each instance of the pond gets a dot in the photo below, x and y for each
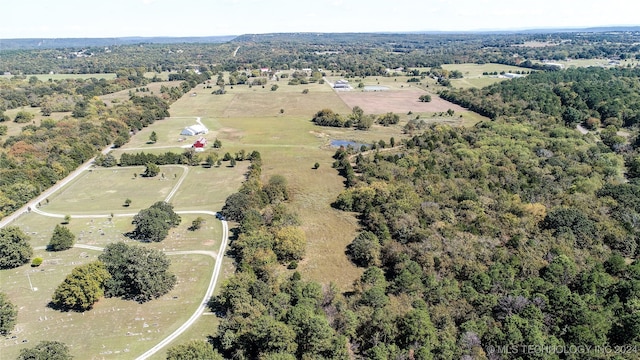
(346, 143)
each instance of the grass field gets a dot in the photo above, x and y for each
(15, 128)
(475, 70)
(244, 118)
(154, 89)
(124, 328)
(108, 188)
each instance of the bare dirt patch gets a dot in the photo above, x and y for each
(381, 102)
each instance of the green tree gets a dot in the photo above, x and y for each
(137, 273)
(15, 249)
(196, 223)
(425, 98)
(211, 159)
(153, 137)
(236, 206)
(82, 288)
(67, 219)
(46, 350)
(193, 350)
(327, 117)
(274, 87)
(217, 144)
(8, 315)
(290, 243)
(276, 189)
(127, 202)
(388, 119)
(151, 170)
(364, 250)
(23, 117)
(272, 336)
(153, 223)
(62, 239)
(417, 330)
(561, 271)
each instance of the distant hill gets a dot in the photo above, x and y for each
(43, 43)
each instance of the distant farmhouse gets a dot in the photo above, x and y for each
(341, 84)
(192, 130)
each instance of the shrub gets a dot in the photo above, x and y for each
(36, 262)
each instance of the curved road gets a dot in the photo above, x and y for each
(212, 283)
(31, 206)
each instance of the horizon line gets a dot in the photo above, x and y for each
(469, 31)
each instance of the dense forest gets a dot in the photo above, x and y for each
(517, 231)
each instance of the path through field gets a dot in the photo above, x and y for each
(218, 256)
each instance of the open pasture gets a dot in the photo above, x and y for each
(476, 70)
(14, 128)
(401, 102)
(114, 328)
(123, 95)
(477, 82)
(256, 101)
(208, 188)
(103, 190)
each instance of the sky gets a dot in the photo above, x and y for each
(178, 18)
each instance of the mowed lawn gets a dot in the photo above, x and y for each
(114, 328)
(104, 190)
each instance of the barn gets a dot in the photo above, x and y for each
(194, 130)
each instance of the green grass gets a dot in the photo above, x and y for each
(208, 188)
(123, 95)
(15, 128)
(118, 324)
(114, 328)
(104, 190)
(480, 82)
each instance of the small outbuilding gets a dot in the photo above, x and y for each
(200, 144)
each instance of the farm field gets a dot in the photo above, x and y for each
(123, 95)
(476, 70)
(246, 118)
(592, 62)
